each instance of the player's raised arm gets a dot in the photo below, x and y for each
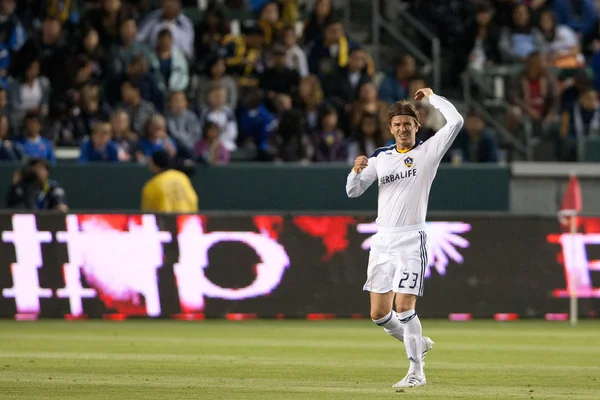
(363, 174)
(442, 140)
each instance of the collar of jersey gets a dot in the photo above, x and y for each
(406, 151)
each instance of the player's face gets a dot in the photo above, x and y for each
(404, 129)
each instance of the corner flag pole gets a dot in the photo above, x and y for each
(570, 207)
(573, 280)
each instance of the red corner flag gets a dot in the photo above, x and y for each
(571, 203)
(572, 198)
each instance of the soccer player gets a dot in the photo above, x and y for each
(399, 250)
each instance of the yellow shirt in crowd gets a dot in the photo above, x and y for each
(169, 191)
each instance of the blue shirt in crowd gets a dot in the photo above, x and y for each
(148, 148)
(36, 148)
(90, 154)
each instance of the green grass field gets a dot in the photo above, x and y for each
(293, 360)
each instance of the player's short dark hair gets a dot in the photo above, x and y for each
(403, 107)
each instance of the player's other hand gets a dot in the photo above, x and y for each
(425, 92)
(360, 163)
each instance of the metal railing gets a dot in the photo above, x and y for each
(490, 84)
(431, 64)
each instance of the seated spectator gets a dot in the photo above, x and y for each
(534, 93)
(243, 54)
(210, 32)
(580, 82)
(368, 103)
(560, 43)
(315, 25)
(99, 147)
(295, 58)
(578, 15)
(330, 145)
(81, 73)
(395, 85)
(170, 17)
(60, 124)
(156, 138)
(255, 123)
(368, 138)
(50, 48)
(182, 124)
(32, 12)
(334, 44)
(217, 77)
(107, 20)
(31, 144)
(123, 52)
(90, 47)
(520, 39)
(342, 84)
(577, 124)
(221, 115)
(173, 66)
(210, 148)
(32, 189)
(29, 91)
(480, 39)
(8, 151)
(138, 109)
(278, 79)
(476, 142)
(283, 103)
(12, 37)
(310, 97)
(292, 142)
(137, 73)
(90, 112)
(269, 22)
(127, 141)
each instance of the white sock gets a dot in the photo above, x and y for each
(412, 339)
(391, 325)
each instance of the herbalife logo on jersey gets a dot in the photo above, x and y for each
(397, 176)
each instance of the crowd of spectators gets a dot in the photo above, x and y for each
(557, 44)
(120, 79)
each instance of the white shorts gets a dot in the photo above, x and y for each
(398, 260)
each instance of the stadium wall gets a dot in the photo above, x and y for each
(261, 187)
(281, 265)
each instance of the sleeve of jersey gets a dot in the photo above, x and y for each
(442, 140)
(357, 184)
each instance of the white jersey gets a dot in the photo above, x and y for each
(405, 179)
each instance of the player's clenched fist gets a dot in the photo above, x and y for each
(360, 163)
(425, 92)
